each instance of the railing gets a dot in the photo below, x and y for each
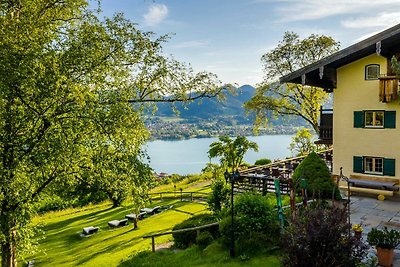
(197, 229)
(178, 194)
(388, 87)
(326, 126)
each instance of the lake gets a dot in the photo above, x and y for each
(190, 156)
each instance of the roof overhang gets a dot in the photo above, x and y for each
(323, 72)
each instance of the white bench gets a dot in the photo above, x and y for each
(133, 216)
(118, 223)
(90, 230)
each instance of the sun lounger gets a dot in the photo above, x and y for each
(151, 210)
(133, 216)
(90, 230)
(118, 223)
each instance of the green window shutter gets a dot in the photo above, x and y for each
(358, 164)
(390, 119)
(358, 119)
(389, 167)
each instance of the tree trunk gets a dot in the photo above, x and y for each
(9, 251)
(135, 221)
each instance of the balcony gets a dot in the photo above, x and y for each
(325, 127)
(388, 88)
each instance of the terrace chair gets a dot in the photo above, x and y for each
(118, 223)
(90, 230)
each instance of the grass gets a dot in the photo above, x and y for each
(213, 255)
(63, 245)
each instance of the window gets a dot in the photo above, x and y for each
(374, 118)
(372, 72)
(373, 165)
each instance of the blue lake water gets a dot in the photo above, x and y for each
(190, 156)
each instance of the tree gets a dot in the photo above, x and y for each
(302, 143)
(272, 98)
(72, 88)
(231, 152)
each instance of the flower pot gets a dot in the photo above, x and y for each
(385, 256)
(357, 234)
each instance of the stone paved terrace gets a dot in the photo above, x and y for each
(371, 212)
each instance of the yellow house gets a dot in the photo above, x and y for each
(365, 129)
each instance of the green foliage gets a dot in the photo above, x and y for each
(320, 237)
(204, 239)
(72, 91)
(255, 217)
(384, 238)
(231, 152)
(185, 239)
(302, 143)
(213, 255)
(219, 196)
(262, 161)
(319, 181)
(290, 55)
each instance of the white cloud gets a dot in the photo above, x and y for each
(155, 14)
(381, 20)
(301, 10)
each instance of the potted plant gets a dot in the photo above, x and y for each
(385, 241)
(357, 228)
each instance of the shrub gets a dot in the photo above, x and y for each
(185, 239)
(219, 196)
(255, 217)
(263, 161)
(320, 237)
(316, 173)
(204, 239)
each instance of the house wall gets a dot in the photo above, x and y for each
(354, 93)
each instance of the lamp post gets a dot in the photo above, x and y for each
(231, 178)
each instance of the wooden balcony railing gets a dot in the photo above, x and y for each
(326, 127)
(388, 88)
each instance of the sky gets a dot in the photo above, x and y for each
(228, 37)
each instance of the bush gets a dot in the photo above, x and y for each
(185, 239)
(316, 173)
(219, 196)
(320, 237)
(263, 161)
(204, 239)
(254, 217)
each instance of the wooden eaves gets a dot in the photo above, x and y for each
(385, 43)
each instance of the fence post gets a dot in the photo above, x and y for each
(153, 246)
(161, 196)
(181, 195)
(191, 196)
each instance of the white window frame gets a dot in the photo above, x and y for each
(375, 165)
(374, 113)
(367, 77)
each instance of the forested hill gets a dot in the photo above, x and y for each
(210, 107)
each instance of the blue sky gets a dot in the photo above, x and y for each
(228, 37)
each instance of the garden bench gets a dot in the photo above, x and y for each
(366, 184)
(90, 230)
(133, 216)
(118, 223)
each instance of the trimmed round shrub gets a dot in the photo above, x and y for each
(185, 239)
(204, 239)
(263, 161)
(319, 181)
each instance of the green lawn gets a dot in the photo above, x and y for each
(213, 255)
(63, 245)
